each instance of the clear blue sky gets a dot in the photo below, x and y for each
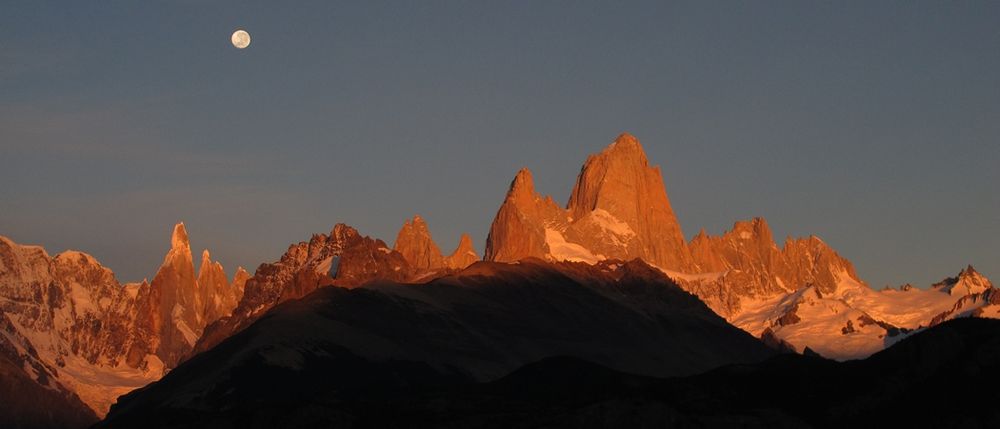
(875, 125)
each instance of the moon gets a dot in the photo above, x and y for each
(241, 39)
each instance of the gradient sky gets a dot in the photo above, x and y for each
(875, 125)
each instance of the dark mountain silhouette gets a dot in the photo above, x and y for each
(942, 377)
(475, 326)
(28, 404)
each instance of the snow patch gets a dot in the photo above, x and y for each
(821, 325)
(324, 266)
(100, 386)
(328, 266)
(910, 309)
(610, 223)
(562, 250)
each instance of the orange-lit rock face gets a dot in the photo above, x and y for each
(463, 256)
(341, 258)
(618, 210)
(217, 296)
(103, 338)
(174, 291)
(745, 263)
(518, 231)
(414, 242)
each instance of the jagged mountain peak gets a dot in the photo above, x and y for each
(522, 188)
(618, 209)
(969, 271)
(415, 243)
(465, 241)
(625, 140)
(755, 228)
(464, 255)
(175, 297)
(618, 191)
(416, 223)
(967, 282)
(342, 232)
(616, 175)
(77, 256)
(179, 238)
(625, 147)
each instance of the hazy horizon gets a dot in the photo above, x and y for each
(872, 126)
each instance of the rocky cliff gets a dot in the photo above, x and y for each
(618, 209)
(342, 258)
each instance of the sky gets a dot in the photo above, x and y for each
(874, 125)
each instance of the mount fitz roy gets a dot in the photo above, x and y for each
(801, 295)
(77, 336)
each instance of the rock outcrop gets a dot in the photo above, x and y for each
(746, 264)
(174, 290)
(414, 242)
(342, 258)
(519, 228)
(618, 209)
(463, 256)
(217, 297)
(967, 282)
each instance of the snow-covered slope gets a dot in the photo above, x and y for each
(855, 321)
(73, 327)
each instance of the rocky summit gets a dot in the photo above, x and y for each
(618, 210)
(415, 243)
(463, 256)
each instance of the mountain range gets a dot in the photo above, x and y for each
(608, 279)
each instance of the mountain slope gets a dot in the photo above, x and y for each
(476, 325)
(28, 404)
(853, 321)
(912, 384)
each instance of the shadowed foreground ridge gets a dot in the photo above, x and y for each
(308, 361)
(917, 383)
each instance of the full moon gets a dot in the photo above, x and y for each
(241, 39)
